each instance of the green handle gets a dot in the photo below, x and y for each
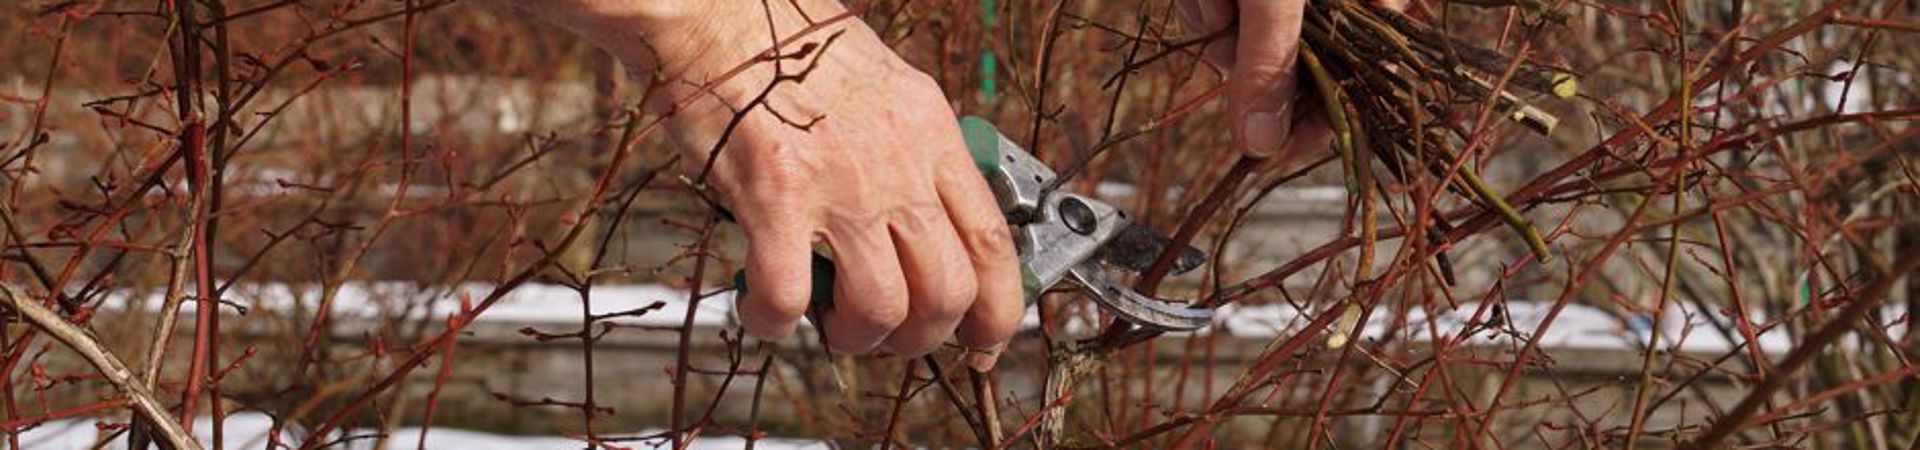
(824, 273)
(983, 143)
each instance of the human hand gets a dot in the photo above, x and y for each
(1262, 83)
(882, 177)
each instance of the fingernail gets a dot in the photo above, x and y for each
(982, 360)
(1265, 132)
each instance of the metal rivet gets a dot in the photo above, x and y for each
(1077, 215)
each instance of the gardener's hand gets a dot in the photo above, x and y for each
(1261, 78)
(864, 155)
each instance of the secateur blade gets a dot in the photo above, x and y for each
(1064, 235)
(1136, 308)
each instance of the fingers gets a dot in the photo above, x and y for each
(1204, 17)
(940, 281)
(779, 271)
(870, 293)
(999, 300)
(1260, 89)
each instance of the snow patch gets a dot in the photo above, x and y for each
(534, 303)
(249, 431)
(1577, 326)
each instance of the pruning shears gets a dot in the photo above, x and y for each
(1060, 236)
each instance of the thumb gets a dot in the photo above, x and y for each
(1261, 87)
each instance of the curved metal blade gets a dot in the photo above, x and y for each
(1141, 310)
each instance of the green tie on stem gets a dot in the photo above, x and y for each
(989, 63)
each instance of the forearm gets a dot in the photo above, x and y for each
(686, 40)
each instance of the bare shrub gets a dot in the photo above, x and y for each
(1552, 224)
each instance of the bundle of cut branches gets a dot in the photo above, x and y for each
(1394, 89)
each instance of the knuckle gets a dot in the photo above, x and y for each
(853, 212)
(917, 213)
(856, 210)
(983, 330)
(886, 310)
(950, 299)
(763, 326)
(782, 303)
(988, 241)
(1001, 324)
(1007, 317)
(777, 171)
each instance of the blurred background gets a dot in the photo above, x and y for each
(437, 224)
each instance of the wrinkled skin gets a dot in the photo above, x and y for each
(882, 178)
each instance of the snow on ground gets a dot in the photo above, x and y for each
(528, 303)
(1118, 193)
(1578, 326)
(249, 431)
